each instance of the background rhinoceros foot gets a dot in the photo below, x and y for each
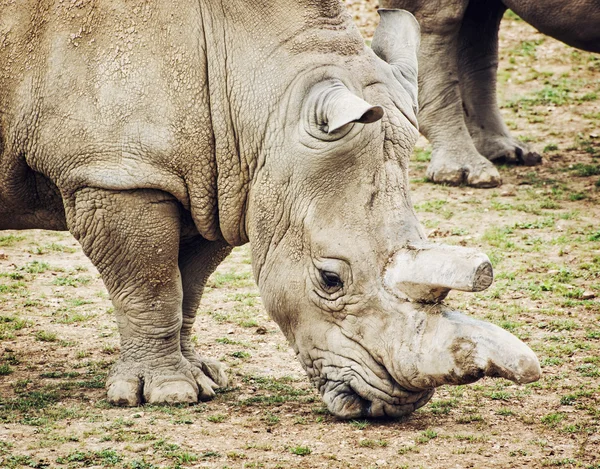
(463, 169)
(131, 384)
(506, 149)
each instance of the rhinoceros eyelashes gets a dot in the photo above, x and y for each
(331, 107)
(331, 281)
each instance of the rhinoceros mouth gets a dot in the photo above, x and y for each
(346, 402)
(351, 389)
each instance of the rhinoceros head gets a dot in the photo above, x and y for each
(343, 264)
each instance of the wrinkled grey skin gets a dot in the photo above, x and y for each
(162, 134)
(457, 78)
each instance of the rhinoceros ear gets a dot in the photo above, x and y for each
(396, 40)
(332, 106)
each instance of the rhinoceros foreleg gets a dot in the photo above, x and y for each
(454, 159)
(477, 67)
(132, 237)
(198, 258)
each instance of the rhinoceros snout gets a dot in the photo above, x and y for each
(426, 272)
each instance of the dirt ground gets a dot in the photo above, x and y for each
(541, 229)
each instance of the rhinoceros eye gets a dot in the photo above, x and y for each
(331, 281)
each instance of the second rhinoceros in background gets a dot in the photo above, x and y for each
(457, 78)
(163, 134)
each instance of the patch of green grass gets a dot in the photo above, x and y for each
(572, 428)
(274, 391)
(13, 287)
(499, 395)
(210, 454)
(372, 443)
(586, 170)
(442, 406)
(422, 155)
(568, 399)
(499, 237)
(228, 341)
(60, 374)
(594, 236)
(538, 224)
(551, 361)
(35, 267)
(360, 424)
(230, 279)
(471, 438)
(527, 48)
(9, 324)
(56, 247)
(46, 336)
(588, 97)
(216, 418)
(589, 370)
(300, 450)
(270, 419)
(552, 419)
(435, 206)
(408, 449)
(71, 281)
(577, 196)
(426, 436)
(235, 455)
(16, 461)
(558, 325)
(469, 418)
(10, 240)
(558, 462)
(106, 457)
(139, 464)
(27, 401)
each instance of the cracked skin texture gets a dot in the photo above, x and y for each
(162, 134)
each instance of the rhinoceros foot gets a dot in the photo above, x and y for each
(463, 169)
(131, 384)
(214, 369)
(508, 150)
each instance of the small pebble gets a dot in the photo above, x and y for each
(588, 295)
(508, 190)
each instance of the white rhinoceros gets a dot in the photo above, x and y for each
(161, 134)
(458, 62)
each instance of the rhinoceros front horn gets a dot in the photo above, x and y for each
(331, 106)
(396, 40)
(426, 272)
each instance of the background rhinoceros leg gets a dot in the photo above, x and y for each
(198, 258)
(132, 237)
(454, 159)
(477, 68)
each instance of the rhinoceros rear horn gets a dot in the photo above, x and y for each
(396, 40)
(331, 106)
